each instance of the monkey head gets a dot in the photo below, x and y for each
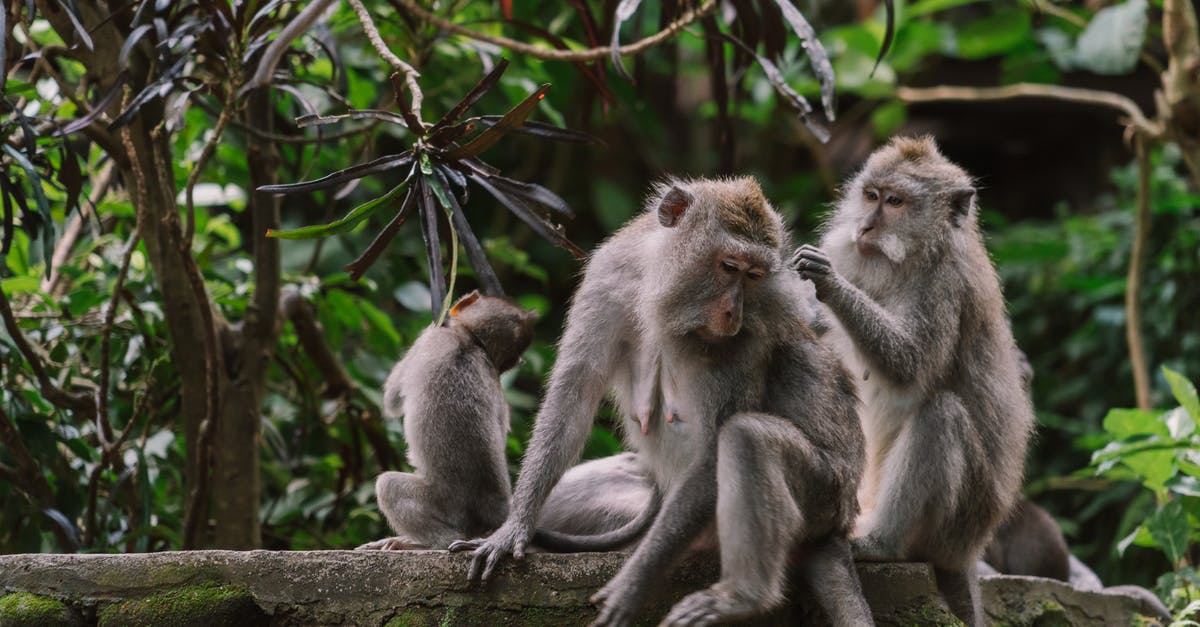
(500, 326)
(718, 244)
(907, 200)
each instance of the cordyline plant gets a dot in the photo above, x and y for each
(438, 166)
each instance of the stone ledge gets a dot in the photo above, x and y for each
(429, 588)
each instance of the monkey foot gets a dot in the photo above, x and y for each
(707, 607)
(395, 543)
(616, 608)
(465, 545)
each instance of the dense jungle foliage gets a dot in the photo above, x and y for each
(174, 378)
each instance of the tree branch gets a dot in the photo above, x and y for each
(81, 402)
(410, 74)
(103, 427)
(100, 184)
(1111, 100)
(300, 312)
(1133, 284)
(274, 52)
(591, 54)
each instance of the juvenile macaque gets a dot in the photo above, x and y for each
(919, 319)
(736, 411)
(447, 388)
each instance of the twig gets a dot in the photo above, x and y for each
(410, 74)
(103, 427)
(1133, 284)
(1030, 90)
(589, 54)
(80, 402)
(210, 147)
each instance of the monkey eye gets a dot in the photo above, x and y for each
(730, 267)
(871, 195)
(755, 275)
(895, 201)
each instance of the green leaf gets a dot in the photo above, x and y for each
(356, 215)
(924, 7)
(1170, 530)
(1126, 423)
(43, 205)
(1155, 466)
(1184, 392)
(995, 34)
(1113, 39)
(1140, 536)
(888, 118)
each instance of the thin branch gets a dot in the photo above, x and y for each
(590, 54)
(1094, 97)
(1133, 284)
(103, 427)
(210, 147)
(410, 74)
(300, 312)
(51, 392)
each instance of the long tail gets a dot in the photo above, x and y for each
(607, 541)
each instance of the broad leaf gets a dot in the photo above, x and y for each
(1170, 530)
(1125, 423)
(1184, 392)
(1113, 39)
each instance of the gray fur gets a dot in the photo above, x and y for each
(752, 421)
(920, 320)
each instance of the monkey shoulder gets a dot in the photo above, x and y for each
(445, 364)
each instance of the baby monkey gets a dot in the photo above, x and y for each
(447, 388)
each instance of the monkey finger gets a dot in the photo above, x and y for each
(465, 545)
(493, 559)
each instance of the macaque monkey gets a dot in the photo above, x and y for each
(736, 411)
(447, 388)
(919, 319)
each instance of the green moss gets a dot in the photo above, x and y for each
(207, 605)
(30, 610)
(1052, 614)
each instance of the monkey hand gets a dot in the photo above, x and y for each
(510, 539)
(812, 263)
(618, 602)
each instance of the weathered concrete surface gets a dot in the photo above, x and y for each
(429, 588)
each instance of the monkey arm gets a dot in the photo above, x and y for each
(597, 327)
(895, 343)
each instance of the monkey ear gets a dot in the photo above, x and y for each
(672, 206)
(960, 204)
(464, 302)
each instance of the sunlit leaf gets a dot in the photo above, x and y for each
(625, 10)
(817, 58)
(1125, 423)
(1184, 392)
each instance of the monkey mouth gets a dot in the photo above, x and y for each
(709, 336)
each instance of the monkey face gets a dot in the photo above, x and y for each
(885, 209)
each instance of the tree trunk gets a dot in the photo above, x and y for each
(236, 483)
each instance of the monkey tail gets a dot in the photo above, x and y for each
(607, 541)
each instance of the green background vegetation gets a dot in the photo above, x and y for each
(1058, 192)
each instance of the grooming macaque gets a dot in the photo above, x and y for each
(447, 388)
(736, 411)
(918, 317)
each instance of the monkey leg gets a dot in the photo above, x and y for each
(409, 504)
(762, 464)
(960, 588)
(829, 574)
(920, 483)
(598, 496)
